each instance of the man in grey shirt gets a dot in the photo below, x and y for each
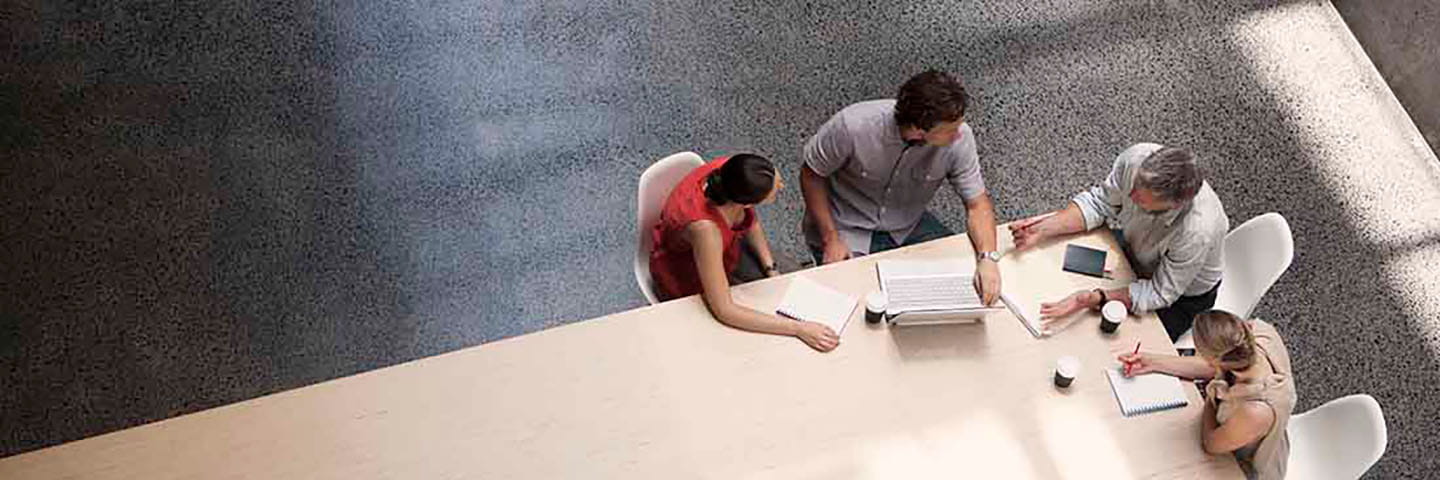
(873, 168)
(1170, 224)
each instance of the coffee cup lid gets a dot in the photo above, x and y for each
(876, 300)
(1114, 311)
(1068, 366)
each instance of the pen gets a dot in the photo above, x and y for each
(1127, 364)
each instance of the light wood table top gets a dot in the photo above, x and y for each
(666, 391)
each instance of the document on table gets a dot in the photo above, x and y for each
(1147, 393)
(1020, 296)
(1033, 277)
(1027, 310)
(812, 302)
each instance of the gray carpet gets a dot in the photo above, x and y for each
(205, 204)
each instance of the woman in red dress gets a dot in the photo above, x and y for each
(698, 244)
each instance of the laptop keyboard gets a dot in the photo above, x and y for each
(922, 292)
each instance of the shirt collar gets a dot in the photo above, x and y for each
(891, 129)
(1175, 214)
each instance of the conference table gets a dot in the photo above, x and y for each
(666, 391)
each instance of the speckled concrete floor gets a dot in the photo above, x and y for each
(204, 204)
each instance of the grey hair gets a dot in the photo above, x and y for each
(1171, 173)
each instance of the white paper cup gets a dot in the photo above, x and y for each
(1066, 369)
(1111, 315)
(875, 304)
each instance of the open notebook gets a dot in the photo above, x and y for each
(1147, 393)
(812, 302)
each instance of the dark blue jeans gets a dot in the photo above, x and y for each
(928, 229)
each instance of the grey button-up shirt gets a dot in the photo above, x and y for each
(876, 182)
(1180, 252)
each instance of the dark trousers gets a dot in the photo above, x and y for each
(748, 269)
(1179, 316)
(928, 229)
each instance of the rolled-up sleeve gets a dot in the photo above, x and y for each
(964, 175)
(1179, 266)
(1103, 201)
(829, 148)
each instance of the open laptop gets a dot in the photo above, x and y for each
(931, 291)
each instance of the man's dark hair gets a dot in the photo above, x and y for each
(745, 179)
(929, 98)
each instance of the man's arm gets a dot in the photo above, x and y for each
(1102, 202)
(1181, 263)
(980, 226)
(1033, 230)
(823, 155)
(817, 204)
(980, 222)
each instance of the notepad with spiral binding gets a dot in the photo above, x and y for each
(1147, 393)
(812, 302)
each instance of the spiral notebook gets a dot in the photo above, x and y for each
(1142, 394)
(812, 302)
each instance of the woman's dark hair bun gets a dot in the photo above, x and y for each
(713, 191)
(744, 178)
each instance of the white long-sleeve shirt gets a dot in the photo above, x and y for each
(1176, 253)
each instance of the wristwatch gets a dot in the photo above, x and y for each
(991, 256)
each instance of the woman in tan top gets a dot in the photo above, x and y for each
(1251, 391)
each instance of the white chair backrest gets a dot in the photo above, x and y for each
(655, 185)
(1338, 440)
(1256, 254)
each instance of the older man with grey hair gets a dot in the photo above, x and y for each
(1170, 224)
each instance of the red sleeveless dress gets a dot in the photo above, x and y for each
(672, 264)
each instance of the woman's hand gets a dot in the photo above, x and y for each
(1140, 363)
(817, 336)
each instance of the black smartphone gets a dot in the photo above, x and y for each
(1084, 261)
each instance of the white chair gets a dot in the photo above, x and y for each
(655, 185)
(1338, 440)
(1256, 254)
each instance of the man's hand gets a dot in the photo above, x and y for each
(1030, 231)
(836, 251)
(987, 280)
(817, 336)
(1049, 312)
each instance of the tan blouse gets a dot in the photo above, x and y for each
(1264, 460)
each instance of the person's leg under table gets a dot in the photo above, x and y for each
(1179, 316)
(749, 269)
(881, 241)
(929, 228)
